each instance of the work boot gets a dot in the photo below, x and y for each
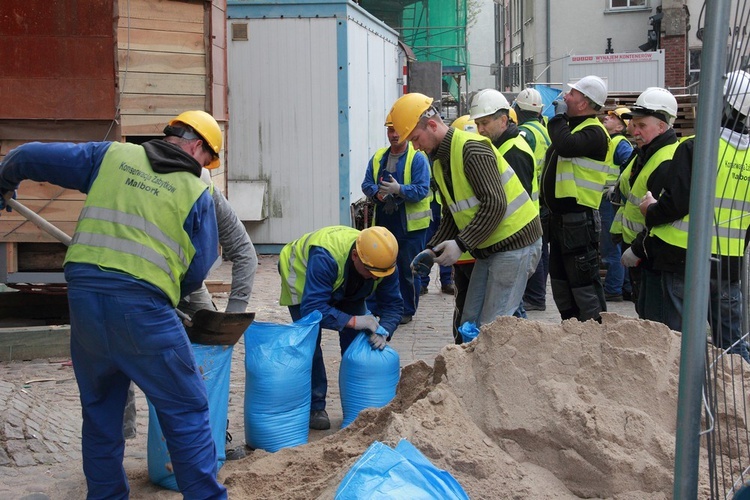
(319, 420)
(448, 288)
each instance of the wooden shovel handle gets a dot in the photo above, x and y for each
(39, 221)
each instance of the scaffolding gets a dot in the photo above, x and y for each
(435, 30)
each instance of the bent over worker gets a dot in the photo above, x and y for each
(486, 210)
(146, 237)
(334, 270)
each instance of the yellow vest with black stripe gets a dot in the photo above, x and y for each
(337, 240)
(731, 207)
(418, 215)
(581, 177)
(464, 205)
(624, 186)
(141, 232)
(633, 222)
(519, 142)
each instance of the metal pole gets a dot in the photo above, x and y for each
(697, 271)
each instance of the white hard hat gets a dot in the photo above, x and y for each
(487, 102)
(530, 100)
(737, 91)
(592, 87)
(654, 101)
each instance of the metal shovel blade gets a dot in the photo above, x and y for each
(218, 328)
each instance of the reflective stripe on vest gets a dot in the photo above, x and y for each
(633, 221)
(731, 207)
(418, 215)
(614, 170)
(520, 209)
(141, 233)
(583, 178)
(522, 145)
(337, 240)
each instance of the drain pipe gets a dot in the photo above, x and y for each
(549, 45)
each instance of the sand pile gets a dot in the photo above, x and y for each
(528, 410)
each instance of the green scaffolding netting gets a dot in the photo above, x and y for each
(434, 29)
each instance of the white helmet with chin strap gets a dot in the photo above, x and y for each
(655, 101)
(487, 102)
(737, 91)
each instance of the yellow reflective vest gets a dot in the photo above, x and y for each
(464, 204)
(633, 222)
(519, 142)
(541, 144)
(418, 215)
(142, 233)
(583, 178)
(337, 240)
(731, 207)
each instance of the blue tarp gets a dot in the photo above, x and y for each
(549, 94)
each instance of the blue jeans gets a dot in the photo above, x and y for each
(497, 283)
(610, 252)
(725, 311)
(115, 339)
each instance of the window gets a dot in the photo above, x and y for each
(627, 4)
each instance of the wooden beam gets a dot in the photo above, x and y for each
(34, 342)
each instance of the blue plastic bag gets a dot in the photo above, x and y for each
(385, 473)
(367, 378)
(278, 368)
(215, 363)
(468, 331)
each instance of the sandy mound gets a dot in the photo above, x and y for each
(528, 410)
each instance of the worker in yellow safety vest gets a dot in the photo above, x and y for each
(668, 220)
(334, 270)
(486, 210)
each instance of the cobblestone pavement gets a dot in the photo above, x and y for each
(40, 414)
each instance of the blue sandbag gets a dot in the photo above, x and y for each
(215, 363)
(278, 370)
(367, 378)
(385, 473)
(468, 331)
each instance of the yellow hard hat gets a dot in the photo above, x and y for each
(388, 121)
(406, 112)
(513, 115)
(377, 249)
(618, 112)
(206, 126)
(464, 122)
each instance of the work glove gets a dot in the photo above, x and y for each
(560, 107)
(6, 195)
(365, 322)
(376, 341)
(390, 186)
(236, 306)
(448, 252)
(646, 202)
(422, 263)
(630, 259)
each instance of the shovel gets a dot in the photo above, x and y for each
(208, 327)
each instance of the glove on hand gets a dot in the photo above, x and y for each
(448, 252)
(560, 107)
(376, 341)
(630, 259)
(422, 263)
(6, 195)
(365, 322)
(389, 186)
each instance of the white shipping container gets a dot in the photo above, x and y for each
(627, 72)
(310, 84)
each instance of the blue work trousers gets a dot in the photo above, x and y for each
(116, 339)
(318, 377)
(610, 251)
(724, 313)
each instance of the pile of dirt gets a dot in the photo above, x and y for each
(528, 410)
